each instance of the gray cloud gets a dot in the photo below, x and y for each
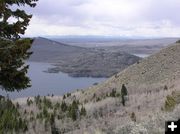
(164, 10)
(119, 17)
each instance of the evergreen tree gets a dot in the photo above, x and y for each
(113, 93)
(13, 49)
(64, 97)
(124, 90)
(64, 106)
(123, 94)
(10, 119)
(73, 110)
(83, 111)
(123, 100)
(54, 130)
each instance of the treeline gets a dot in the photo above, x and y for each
(73, 110)
(10, 118)
(48, 112)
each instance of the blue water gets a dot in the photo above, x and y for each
(51, 83)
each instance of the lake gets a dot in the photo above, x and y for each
(142, 55)
(51, 83)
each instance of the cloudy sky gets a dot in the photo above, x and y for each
(149, 18)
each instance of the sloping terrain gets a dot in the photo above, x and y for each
(79, 61)
(45, 50)
(159, 69)
(153, 86)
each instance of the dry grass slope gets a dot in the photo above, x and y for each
(153, 85)
(151, 73)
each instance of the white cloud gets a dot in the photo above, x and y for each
(106, 17)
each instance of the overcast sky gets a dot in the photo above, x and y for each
(149, 18)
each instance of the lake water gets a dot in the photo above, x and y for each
(142, 55)
(51, 83)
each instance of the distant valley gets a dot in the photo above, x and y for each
(130, 45)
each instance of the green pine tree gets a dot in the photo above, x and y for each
(73, 109)
(64, 106)
(83, 111)
(124, 93)
(13, 49)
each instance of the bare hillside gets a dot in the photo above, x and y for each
(45, 50)
(153, 87)
(79, 61)
(159, 69)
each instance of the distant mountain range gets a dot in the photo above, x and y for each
(79, 61)
(131, 45)
(96, 38)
